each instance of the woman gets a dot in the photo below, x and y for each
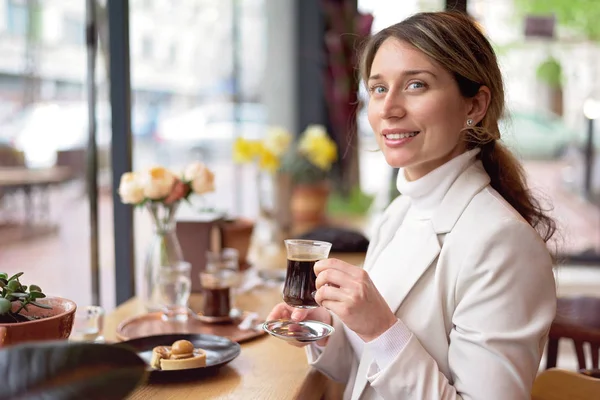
(457, 293)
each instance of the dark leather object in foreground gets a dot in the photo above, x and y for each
(342, 240)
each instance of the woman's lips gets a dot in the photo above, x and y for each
(398, 139)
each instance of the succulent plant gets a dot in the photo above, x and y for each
(11, 290)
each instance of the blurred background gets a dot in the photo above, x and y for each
(190, 76)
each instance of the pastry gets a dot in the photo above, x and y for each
(159, 353)
(181, 355)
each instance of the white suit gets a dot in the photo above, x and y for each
(477, 292)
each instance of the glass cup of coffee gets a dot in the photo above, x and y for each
(299, 291)
(220, 276)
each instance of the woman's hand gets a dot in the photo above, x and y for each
(284, 311)
(348, 291)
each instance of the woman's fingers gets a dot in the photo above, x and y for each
(333, 306)
(299, 314)
(328, 263)
(332, 277)
(330, 293)
(342, 266)
(280, 311)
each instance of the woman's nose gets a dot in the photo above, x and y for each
(393, 107)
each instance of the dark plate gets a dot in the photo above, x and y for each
(219, 351)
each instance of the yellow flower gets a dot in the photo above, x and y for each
(325, 156)
(245, 150)
(268, 161)
(277, 141)
(310, 137)
(318, 147)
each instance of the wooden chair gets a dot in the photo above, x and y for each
(577, 319)
(557, 384)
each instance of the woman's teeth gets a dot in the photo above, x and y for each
(397, 136)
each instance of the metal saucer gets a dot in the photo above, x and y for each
(304, 331)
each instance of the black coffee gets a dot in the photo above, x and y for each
(300, 282)
(216, 302)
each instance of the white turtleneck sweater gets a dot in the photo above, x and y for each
(425, 195)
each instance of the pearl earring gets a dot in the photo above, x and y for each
(469, 122)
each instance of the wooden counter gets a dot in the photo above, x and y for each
(267, 368)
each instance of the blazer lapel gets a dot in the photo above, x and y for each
(385, 233)
(412, 258)
(418, 253)
(361, 375)
(467, 185)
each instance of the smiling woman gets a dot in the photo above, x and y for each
(416, 109)
(457, 294)
(452, 90)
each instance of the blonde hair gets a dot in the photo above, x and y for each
(456, 42)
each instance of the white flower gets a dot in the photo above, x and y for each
(277, 141)
(130, 189)
(158, 183)
(201, 179)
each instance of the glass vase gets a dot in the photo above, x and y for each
(268, 228)
(164, 252)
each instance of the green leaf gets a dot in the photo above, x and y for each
(37, 295)
(301, 170)
(34, 288)
(69, 371)
(14, 285)
(5, 305)
(21, 295)
(15, 276)
(356, 203)
(40, 305)
(3, 275)
(550, 72)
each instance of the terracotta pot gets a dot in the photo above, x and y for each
(237, 234)
(56, 323)
(309, 203)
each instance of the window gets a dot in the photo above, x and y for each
(73, 31)
(147, 48)
(17, 17)
(172, 55)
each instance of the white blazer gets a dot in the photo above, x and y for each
(479, 298)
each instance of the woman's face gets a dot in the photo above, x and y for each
(415, 109)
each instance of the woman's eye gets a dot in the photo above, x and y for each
(416, 85)
(377, 89)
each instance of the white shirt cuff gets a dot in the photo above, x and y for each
(317, 348)
(388, 345)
